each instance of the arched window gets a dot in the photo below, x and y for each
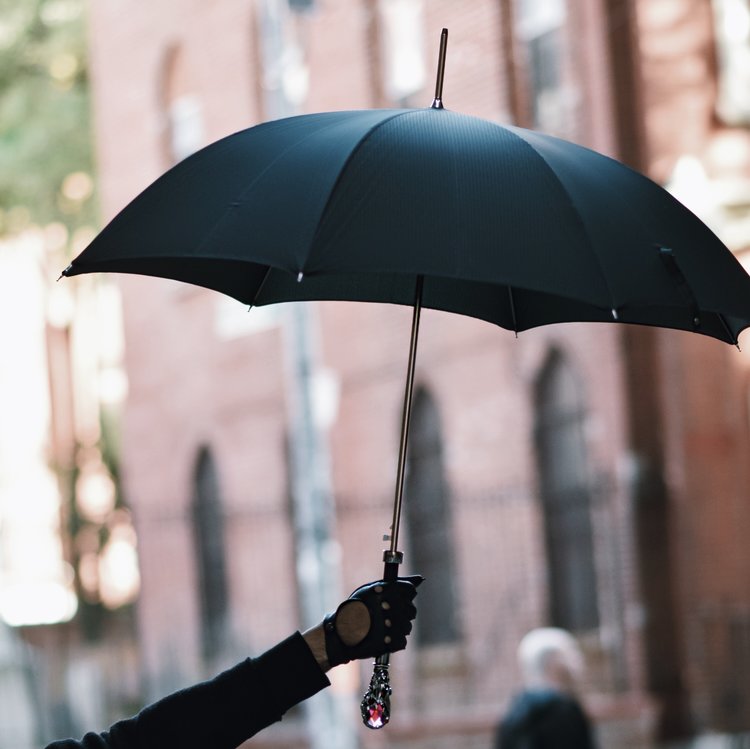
(427, 507)
(566, 496)
(183, 115)
(208, 527)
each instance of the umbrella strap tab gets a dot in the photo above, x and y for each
(674, 270)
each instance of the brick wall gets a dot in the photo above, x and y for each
(190, 387)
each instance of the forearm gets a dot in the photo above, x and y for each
(223, 712)
(316, 641)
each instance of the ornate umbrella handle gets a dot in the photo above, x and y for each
(376, 702)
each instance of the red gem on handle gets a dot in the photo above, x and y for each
(377, 717)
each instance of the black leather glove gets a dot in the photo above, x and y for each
(391, 611)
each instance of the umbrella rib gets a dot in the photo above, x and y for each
(260, 286)
(675, 272)
(513, 309)
(732, 336)
(575, 211)
(227, 211)
(247, 187)
(366, 136)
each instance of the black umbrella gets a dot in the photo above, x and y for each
(428, 207)
(504, 224)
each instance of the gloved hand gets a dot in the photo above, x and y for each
(375, 619)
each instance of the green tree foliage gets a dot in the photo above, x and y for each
(45, 138)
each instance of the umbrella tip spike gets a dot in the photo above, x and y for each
(437, 102)
(300, 276)
(615, 316)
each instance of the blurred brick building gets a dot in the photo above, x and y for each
(592, 477)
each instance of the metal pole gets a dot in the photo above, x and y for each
(330, 714)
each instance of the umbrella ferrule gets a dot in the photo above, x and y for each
(437, 102)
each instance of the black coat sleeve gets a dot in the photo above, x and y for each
(220, 713)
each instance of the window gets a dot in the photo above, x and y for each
(208, 526)
(732, 23)
(302, 6)
(546, 64)
(429, 522)
(566, 496)
(182, 109)
(402, 53)
(185, 127)
(285, 80)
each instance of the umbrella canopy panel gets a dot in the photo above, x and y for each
(504, 224)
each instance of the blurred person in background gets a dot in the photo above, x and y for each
(229, 709)
(547, 713)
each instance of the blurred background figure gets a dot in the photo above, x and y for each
(547, 714)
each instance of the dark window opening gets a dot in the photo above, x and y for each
(427, 506)
(566, 496)
(208, 526)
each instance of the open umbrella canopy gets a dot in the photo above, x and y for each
(501, 223)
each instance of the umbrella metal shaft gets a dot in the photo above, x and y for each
(393, 555)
